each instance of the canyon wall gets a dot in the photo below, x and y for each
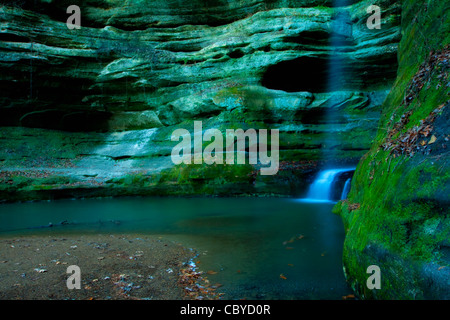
(397, 213)
(90, 111)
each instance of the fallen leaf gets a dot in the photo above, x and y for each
(282, 277)
(211, 272)
(433, 139)
(440, 268)
(354, 206)
(350, 296)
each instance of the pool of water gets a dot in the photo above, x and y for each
(257, 248)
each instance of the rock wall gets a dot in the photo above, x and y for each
(397, 213)
(90, 111)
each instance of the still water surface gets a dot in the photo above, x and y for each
(261, 248)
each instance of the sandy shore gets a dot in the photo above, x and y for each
(112, 267)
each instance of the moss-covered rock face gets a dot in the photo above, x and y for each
(397, 213)
(100, 103)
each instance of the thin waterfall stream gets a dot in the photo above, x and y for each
(322, 187)
(346, 188)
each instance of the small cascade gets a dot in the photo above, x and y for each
(321, 188)
(346, 189)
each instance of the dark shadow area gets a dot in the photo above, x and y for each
(236, 54)
(66, 120)
(302, 74)
(329, 73)
(338, 185)
(11, 37)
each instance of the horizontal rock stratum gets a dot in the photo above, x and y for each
(94, 107)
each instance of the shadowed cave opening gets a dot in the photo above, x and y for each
(329, 73)
(302, 74)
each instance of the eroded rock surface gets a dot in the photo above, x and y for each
(99, 104)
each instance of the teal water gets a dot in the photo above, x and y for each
(261, 248)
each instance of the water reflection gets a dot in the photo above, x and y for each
(261, 248)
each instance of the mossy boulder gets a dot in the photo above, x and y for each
(397, 213)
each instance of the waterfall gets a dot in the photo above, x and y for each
(339, 66)
(340, 35)
(325, 188)
(346, 189)
(321, 188)
(328, 186)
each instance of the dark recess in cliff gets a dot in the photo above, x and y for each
(312, 74)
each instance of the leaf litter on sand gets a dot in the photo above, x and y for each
(196, 286)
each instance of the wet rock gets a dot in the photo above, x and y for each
(396, 215)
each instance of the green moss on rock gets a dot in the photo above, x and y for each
(396, 215)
